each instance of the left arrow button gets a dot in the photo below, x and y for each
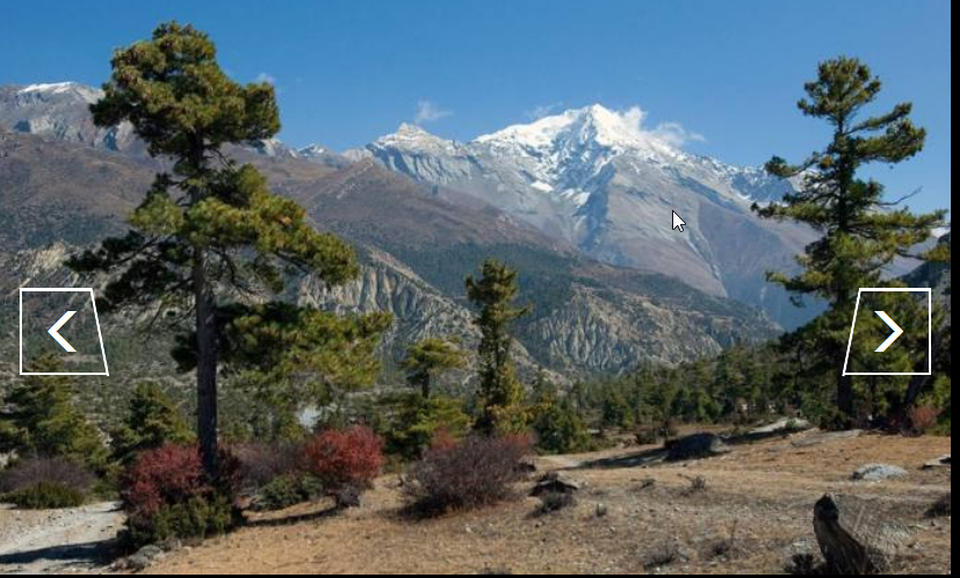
(57, 327)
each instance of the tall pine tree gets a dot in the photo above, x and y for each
(501, 394)
(210, 229)
(862, 232)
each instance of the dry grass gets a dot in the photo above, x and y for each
(755, 516)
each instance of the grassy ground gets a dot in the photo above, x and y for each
(753, 516)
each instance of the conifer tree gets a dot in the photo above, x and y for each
(152, 421)
(428, 358)
(208, 230)
(861, 232)
(39, 418)
(501, 394)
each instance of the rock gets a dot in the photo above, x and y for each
(785, 425)
(141, 560)
(825, 437)
(697, 446)
(854, 537)
(555, 483)
(878, 473)
(941, 462)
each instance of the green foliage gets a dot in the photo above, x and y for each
(40, 418)
(560, 429)
(45, 496)
(501, 394)
(428, 358)
(294, 357)
(862, 233)
(616, 410)
(197, 517)
(939, 397)
(153, 420)
(418, 421)
(284, 491)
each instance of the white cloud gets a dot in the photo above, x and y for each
(671, 134)
(675, 135)
(428, 111)
(266, 77)
(542, 110)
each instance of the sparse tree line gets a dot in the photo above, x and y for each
(212, 240)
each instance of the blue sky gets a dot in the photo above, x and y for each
(350, 71)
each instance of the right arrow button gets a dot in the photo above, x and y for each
(897, 332)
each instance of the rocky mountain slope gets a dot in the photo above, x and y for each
(417, 247)
(600, 181)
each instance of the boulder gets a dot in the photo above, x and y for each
(878, 473)
(555, 483)
(696, 446)
(854, 536)
(941, 462)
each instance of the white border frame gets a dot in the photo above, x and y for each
(853, 325)
(96, 317)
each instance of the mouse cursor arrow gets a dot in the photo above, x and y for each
(678, 223)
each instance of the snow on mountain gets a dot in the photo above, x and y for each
(602, 181)
(59, 110)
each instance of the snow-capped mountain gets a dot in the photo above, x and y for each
(59, 110)
(600, 180)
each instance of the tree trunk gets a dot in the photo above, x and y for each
(206, 368)
(846, 399)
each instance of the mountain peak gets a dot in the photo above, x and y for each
(593, 124)
(414, 137)
(87, 93)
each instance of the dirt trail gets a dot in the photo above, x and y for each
(76, 540)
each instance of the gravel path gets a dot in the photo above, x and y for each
(75, 540)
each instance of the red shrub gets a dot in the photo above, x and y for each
(166, 494)
(168, 475)
(341, 460)
(923, 419)
(443, 439)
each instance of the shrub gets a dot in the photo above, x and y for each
(343, 461)
(648, 436)
(261, 464)
(284, 491)
(671, 429)
(418, 421)
(923, 419)
(166, 495)
(51, 471)
(560, 429)
(45, 496)
(476, 472)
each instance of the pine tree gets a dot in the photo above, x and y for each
(39, 418)
(210, 228)
(428, 358)
(501, 394)
(152, 421)
(861, 232)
